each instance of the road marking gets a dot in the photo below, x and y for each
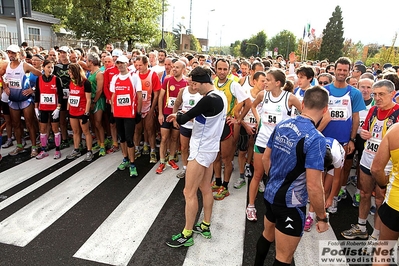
(226, 247)
(24, 171)
(41, 182)
(119, 236)
(23, 226)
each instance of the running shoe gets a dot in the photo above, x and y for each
(101, 152)
(153, 157)
(42, 155)
(107, 142)
(240, 183)
(57, 154)
(356, 200)
(261, 186)
(247, 172)
(64, 144)
(137, 153)
(215, 187)
(146, 149)
(308, 224)
(182, 174)
(95, 147)
(373, 209)
(354, 232)
(341, 195)
(89, 156)
(16, 151)
(7, 144)
(179, 241)
(334, 207)
(173, 164)
(371, 244)
(34, 152)
(160, 168)
(113, 149)
(74, 154)
(204, 232)
(251, 214)
(221, 193)
(133, 171)
(352, 180)
(176, 158)
(122, 166)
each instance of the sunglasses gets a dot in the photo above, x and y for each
(323, 82)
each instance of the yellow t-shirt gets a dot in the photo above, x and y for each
(392, 193)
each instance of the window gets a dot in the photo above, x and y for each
(34, 33)
(3, 28)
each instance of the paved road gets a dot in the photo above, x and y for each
(71, 212)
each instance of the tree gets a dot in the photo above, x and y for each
(285, 41)
(169, 40)
(235, 48)
(107, 20)
(333, 37)
(195, 44)
(352, 50)
(256, 45)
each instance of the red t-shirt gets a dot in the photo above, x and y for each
(172, 88)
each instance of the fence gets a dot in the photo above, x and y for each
(47, 42)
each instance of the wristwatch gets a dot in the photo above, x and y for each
(353, 140)
(318, 219)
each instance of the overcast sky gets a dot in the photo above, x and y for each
(372, 22)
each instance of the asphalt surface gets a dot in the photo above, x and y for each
(58, 243)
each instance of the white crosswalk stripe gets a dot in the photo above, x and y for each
(116, 240)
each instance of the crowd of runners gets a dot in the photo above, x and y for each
(151, 104)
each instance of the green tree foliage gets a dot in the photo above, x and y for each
(107, 20)
(235, 49)
(285, 41)
(169, 40)
(333, 37)
(253, 45)
(352, 50)
(385, 55)
(195, 44)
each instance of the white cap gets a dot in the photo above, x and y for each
(64, 49)
(117, 52)
(13, 48)
(122, 59)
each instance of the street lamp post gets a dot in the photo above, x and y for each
(207, 32)
(221, 29)
(257, 47)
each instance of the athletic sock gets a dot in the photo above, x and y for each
(57, 139)
(205, 225)
(226, 185)
(43, 140)
(312, 215)
(218, 181)
(362, 224)
(279, 263)
(262, 248)
(242, 176)
(186, 233)
(376, 234)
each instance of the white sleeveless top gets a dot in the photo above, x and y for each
(274, 110)
(189, 101)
